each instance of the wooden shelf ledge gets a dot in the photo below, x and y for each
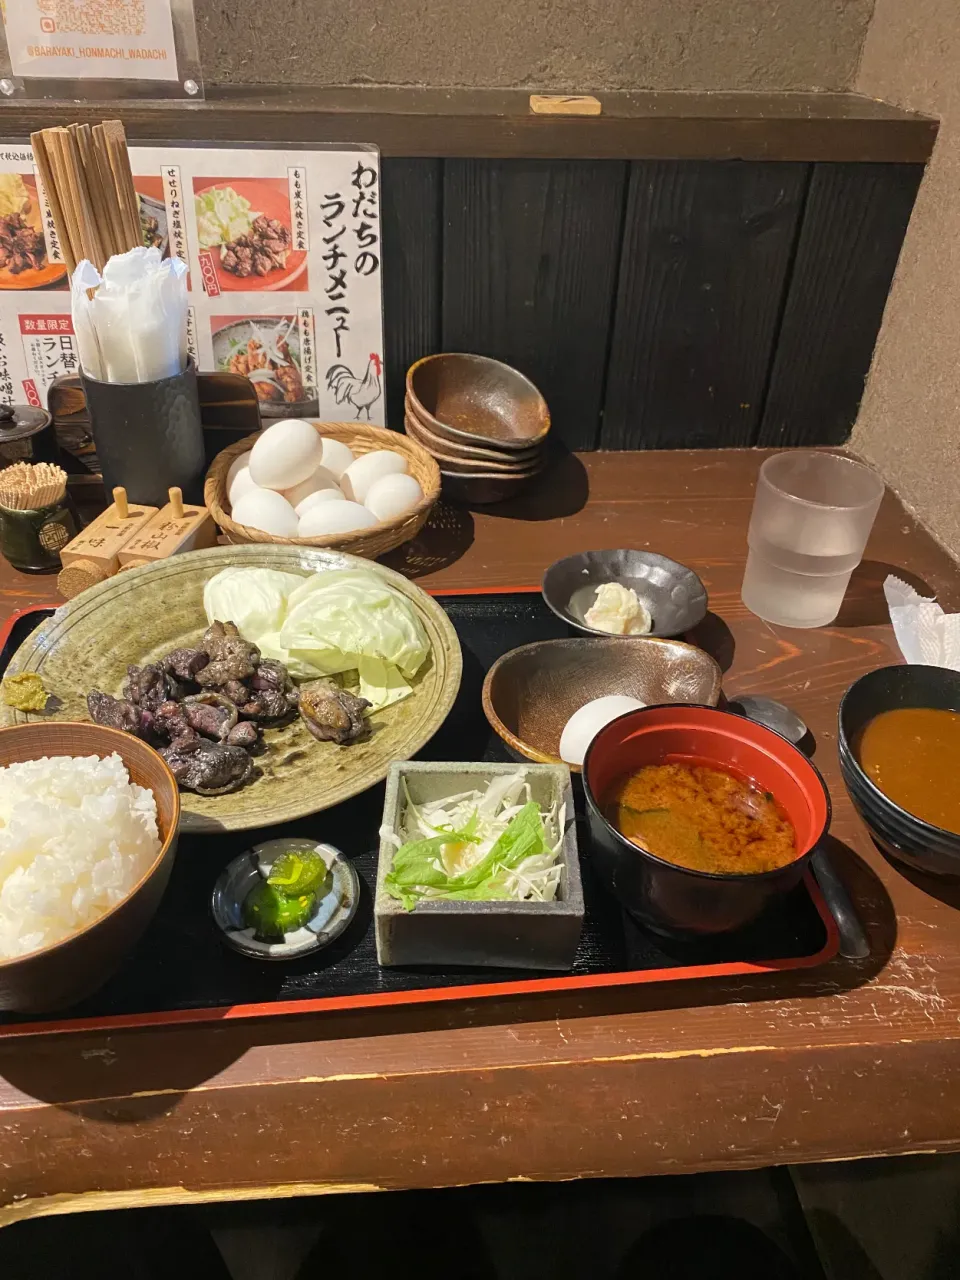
(498, 123)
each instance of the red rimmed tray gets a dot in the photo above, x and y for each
(182, 972)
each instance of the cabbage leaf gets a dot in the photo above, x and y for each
(254, 599)
(418, 869)
(222, 215)
(326, 624)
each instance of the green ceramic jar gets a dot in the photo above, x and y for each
(33, 540)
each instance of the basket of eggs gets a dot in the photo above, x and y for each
(360, 489)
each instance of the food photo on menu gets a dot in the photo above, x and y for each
(24, 262)
(244, 230)
(268, 351)
(308, 334)
(153, 214)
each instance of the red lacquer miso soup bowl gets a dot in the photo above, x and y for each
(675, 900)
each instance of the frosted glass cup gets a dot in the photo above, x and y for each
(812, 515)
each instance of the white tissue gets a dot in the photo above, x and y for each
(135, 325)
(85, 277)
(925, 634)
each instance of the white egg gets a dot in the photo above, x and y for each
(360, 475)
(285, 454)
(392, 496)
(236, 466)
(584, 725)
(314, 499)
(336, 456)
(317, 480)
(266, 510)
(335, 517)
(242, 483)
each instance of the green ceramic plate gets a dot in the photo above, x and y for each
(142, 613)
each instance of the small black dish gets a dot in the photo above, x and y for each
(674, 595)
(335, 908)
(905, 838)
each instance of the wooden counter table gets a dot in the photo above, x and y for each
(848, 1060)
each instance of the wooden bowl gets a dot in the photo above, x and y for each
(361, 438)
(530, 693)
(480, 488)
(475, 400)
(438, 445)
(451, 462)
(67, 971)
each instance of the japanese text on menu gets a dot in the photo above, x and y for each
(285, 265)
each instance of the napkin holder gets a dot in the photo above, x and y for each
(148, 435)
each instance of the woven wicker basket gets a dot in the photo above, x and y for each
(361, 438)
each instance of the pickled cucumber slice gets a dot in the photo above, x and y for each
(298, 871)
(273, 913)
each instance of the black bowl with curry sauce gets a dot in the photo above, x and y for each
(906, 836)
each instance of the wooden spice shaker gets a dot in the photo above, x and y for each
(176, 528)
(93, 555)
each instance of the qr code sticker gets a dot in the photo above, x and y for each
(95, 17)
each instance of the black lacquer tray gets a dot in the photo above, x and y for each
(183, 972)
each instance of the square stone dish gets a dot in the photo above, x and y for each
(512, 935)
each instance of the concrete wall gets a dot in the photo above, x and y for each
(909, 422)
(553, 44)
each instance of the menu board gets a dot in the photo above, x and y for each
(285, 256)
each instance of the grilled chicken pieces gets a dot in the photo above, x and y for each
(203, 708)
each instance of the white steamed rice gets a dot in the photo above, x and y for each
(76, 835)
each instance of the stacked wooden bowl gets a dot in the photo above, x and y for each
(484, 423)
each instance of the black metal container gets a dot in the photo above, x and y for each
(148, 436)
(677, 901)
(907, 839)
(26, 435)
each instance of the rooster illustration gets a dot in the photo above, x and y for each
(360, 392)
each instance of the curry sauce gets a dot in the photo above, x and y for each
(913, 755)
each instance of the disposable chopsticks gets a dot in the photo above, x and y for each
(90, 236)
(42, 159)
(123, 178)
(108, 188)
(71, 230)
(87, 177)
(83, 136)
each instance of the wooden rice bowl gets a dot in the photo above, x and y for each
(64, 972)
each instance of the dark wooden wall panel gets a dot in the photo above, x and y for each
(706, 253)
(412, 192)
(853, 228)
(530, 256)
(662, 304)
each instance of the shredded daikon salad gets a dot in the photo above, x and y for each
(478, 845)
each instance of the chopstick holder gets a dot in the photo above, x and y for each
(149, 436)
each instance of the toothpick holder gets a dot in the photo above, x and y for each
(32, 540)
(149, 436)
